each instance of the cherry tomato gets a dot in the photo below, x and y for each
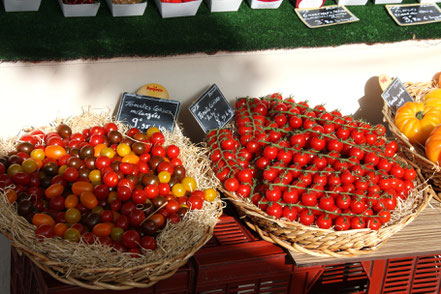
(131, 239)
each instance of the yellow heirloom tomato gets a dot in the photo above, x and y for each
(416, 121)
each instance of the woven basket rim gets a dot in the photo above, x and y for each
(57, 269)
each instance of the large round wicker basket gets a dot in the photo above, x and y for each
(416, 153)
(100, 267)
(328, 242)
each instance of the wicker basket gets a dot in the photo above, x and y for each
(416, 153)
(51, 256)
(326, 242)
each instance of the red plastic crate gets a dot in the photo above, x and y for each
(418, 274)
(27, 278)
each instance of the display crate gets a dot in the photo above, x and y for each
(21, 5)
(27, 278)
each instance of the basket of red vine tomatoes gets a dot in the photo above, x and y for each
(313, 180)
(416, 127)
(103, 206)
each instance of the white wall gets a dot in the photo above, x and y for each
(343, 77)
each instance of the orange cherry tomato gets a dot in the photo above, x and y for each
(60, 229)
(54, 190)
(131, 158)
(88, 199)
(98, 148)
(42, 219)
(11, 195)
(55, 151)
(80, 187)
(71, 201)
(102, 229)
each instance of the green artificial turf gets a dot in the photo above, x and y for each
(48, 35)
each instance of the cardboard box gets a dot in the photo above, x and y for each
(223, 5)
(79, 10)
(134, 9)
(351, 2)
(21, 5)
(258, 4)
(167, 9)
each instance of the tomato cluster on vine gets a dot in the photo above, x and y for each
(99, 185)
(310, 165)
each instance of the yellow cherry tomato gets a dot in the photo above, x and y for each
(95, 176)
(123, 149)
(189, 184)
(178, 190)
(29, 165)
(164, 177)
(37, 154)
(13, 169)
(108, 152)
(210, 194)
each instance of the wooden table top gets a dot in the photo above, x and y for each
(420, 237)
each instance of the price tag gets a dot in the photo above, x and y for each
(325, 16)
(414, 14)
(396, 94)
(212, 110)
(143, 112)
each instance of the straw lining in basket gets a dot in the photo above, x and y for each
(100, 267)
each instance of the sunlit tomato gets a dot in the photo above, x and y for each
(151, 131)
(195, 202)
(157, 138)
(173, 151)
(110, 179)
(210, 194)
(54, 151)
(131, 158)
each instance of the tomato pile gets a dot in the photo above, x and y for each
(310, 165)
(100, 185)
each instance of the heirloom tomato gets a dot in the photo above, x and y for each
(433, 145)
(416, 120)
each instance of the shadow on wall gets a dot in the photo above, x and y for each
(371, 103)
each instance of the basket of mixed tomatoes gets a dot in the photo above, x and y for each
(313, 180)
(416, 127)
(99, 205)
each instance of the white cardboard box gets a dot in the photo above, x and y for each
(387, 1)
(127, 9)
(429, 1)
(257, 4)
(223, 5)
(79, 10)
(178, 9)
(351, 2)
(21, 5)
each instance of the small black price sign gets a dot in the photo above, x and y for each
(396, 94)
(143, 112)
(413, 14)
(212, 110)
(325, 16)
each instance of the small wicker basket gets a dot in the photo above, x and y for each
(416, 153)
(327, 242)
(103, 267)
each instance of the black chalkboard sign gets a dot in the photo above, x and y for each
(325, 16)
(413, 14)
(212, 110)
(143, 112)
(396, 94)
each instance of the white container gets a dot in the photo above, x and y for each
(79, 10)
(387, 1)
(21, 5)
(178, 9)
(134, 9)
(223, 5)
(257, 4)
(429, 1)
(351, 2)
